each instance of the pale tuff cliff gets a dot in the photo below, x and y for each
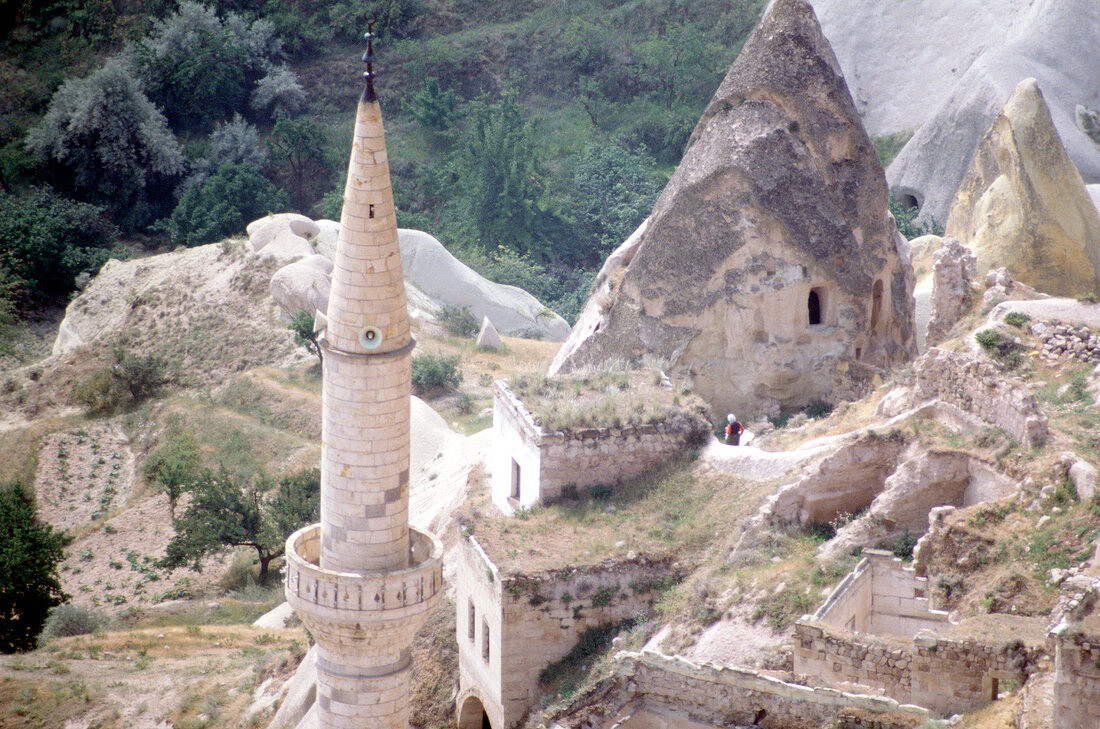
(770, 271)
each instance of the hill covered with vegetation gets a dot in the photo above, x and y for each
(531, 138)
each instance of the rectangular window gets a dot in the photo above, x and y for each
(485, 640)
(472, 620)
(514, 493)
(370, 212)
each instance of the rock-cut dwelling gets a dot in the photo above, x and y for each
(770, 272)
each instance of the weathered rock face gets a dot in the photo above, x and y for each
(1023, 204)
(1053, 41)
(769, 272)
(954, 269)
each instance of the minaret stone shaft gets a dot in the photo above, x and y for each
(363, 580)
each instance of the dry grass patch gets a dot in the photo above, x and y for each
(141, 679)
(607, 398)
(679, 510)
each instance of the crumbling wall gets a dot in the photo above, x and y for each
(545, 614)
(947, 676)
(1075, 640)
(547, 462)
(976, 386)
(728, 695)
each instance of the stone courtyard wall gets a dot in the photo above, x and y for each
(1075, 640)
(947, 676)
(547, 462)
(727, 695)
(534, 620)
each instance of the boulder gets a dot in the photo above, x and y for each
(261, 231)
(446, 280)
(286, 246)
(488, 337)
(953, 274)
(1023, 206)
(303, 285)
(769, 272)
(1053, 41)
(899, 78)
(1084, 477)
(921, 250)
(328, 233)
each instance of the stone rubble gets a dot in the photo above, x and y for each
(1064, 341)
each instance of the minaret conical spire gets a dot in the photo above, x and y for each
(363, 579)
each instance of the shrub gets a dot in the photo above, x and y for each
(432, 372)
(67, 620)
(46, 240)
(905, 216)
(1002, 348)
(223, 205)
(458, 321)
(1016, 319)
(304, 335)
(129, 379)
(818, 408)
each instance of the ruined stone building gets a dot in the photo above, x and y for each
(530, 464)
(362, 580)
(770, 272)
(512, 625)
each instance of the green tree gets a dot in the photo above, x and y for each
(200, 68)
(503, 178)
(613, 190)
(46, 240)
(29, 584)
(173, 465)
(106, 143)
(302, 326)
(225, 512)
(432, 106)
(297, 151)
(223, 204)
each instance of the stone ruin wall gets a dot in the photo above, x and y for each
(1077, 682)
(581, 457)
(1075, 641)
(946, 676)
(535, 620)
(544, 615)
(881, 597)
(978, 387)
(727, 695)
(477, 583)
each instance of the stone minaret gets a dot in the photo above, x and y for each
(363, 579)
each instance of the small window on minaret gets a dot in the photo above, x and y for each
(473, 620)
(485, 640)
(813, 306)
(370, 211)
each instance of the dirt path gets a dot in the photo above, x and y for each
(751, 462)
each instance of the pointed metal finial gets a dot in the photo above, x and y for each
(368, 58)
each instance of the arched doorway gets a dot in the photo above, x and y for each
(472, 715)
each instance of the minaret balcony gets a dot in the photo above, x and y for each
(348, 596)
